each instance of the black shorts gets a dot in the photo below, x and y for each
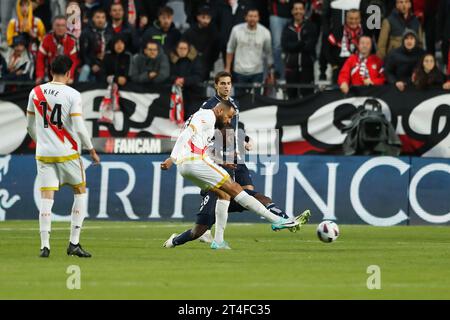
(207, 213)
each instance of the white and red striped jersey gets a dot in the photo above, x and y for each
(54, 105)
(197, 136)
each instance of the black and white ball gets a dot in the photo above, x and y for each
(327, 231)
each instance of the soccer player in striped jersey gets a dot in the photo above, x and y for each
(190, 154)
(55, 123)
(238, 170)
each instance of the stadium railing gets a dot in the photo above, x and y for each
(254, 88)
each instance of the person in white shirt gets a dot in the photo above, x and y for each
(190, 153)
(55, 123)
(249, 44)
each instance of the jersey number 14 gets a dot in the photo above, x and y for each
(55, 115)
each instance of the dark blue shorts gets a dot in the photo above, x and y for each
(242, 175)
(207, 214)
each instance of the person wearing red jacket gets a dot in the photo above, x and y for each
(361, 68)
(57, 42)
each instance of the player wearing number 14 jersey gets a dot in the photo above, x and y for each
(55, 123)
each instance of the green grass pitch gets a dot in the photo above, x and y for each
(129, 263)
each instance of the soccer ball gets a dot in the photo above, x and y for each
(327, 231)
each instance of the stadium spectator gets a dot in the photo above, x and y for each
(395, 25)
(26, 24)
(280, 16)
(203, 36)
(427, 74)
(362, 68)
(120, 26)
(249, 44)
(88, 8)
(334, 12)
(314, 14)
(55, 43)
(93, 43)
(151, 66)
(298, 41)
(443, 34)
(186, 72)
(117, 61)
(343, 41)
(131, 9)
(192, 8)
(163, 30)
(400, 62)
(20, 64)
(229, 14)
(263, 9)
(142, 26)
(333, 17)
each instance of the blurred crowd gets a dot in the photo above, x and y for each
(153, 42)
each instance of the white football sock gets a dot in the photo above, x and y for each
(78, 214)
(45, 221)
(250, 203)
(221, 219)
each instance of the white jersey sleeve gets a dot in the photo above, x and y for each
(30, 107)
(31, 119)
(76, 113)
(76, 107)
(196, 136)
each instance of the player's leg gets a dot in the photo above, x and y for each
(72, 172)
(45, 221)
(243, 177)
(266, 201)
(49, 183)
(189, 235)
(221, 213)
(209, 176)
(210, 198)
(250, 203)
(212, 175)
(302, 218)
(205, 219)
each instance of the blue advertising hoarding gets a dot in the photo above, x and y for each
(380, 191)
